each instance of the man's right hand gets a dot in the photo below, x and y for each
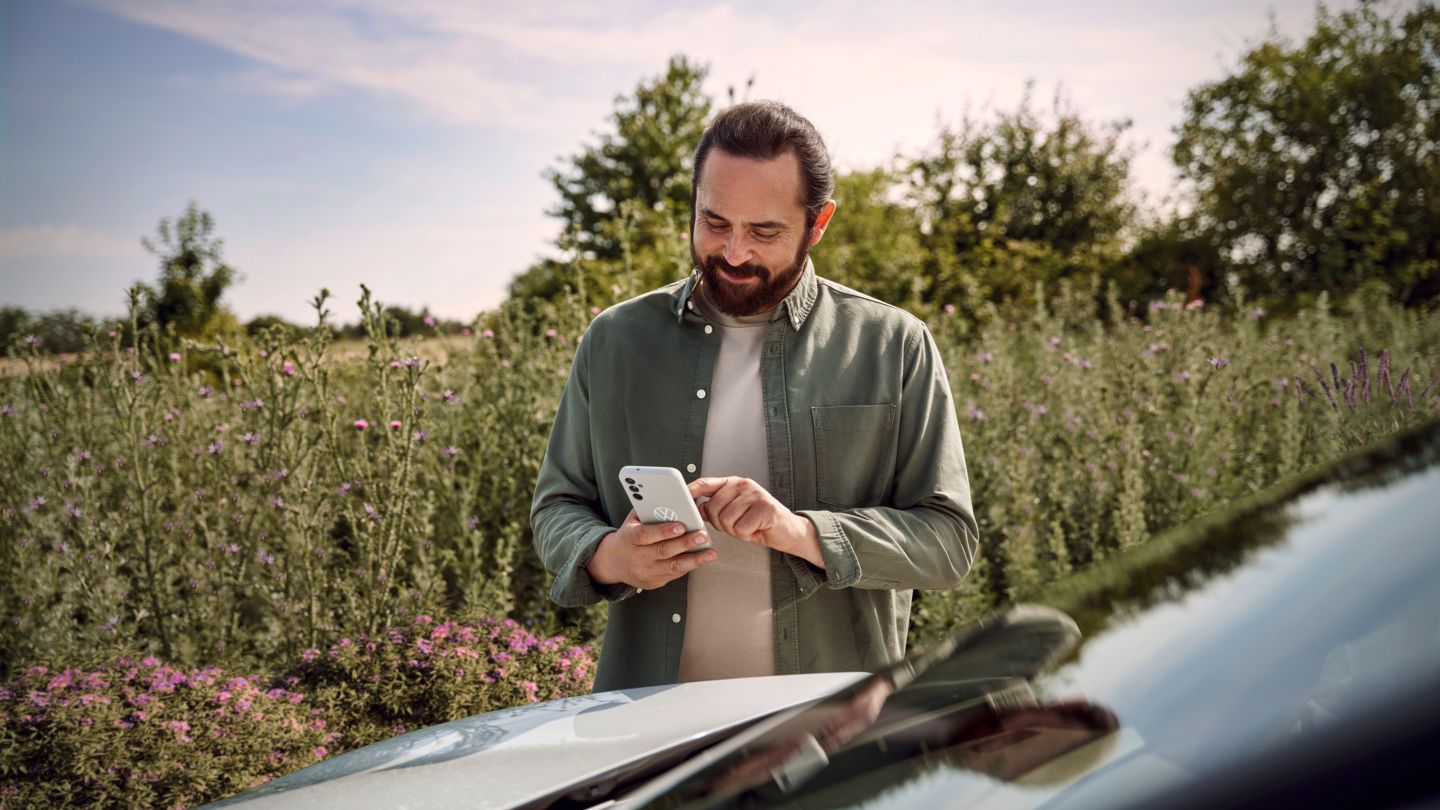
(648, 556)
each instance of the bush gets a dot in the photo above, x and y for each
(144, 734)
(433, 672)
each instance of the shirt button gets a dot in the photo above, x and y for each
(689, 304)
(690, 468)
(700, 394)
(675, 618)
(709, 329)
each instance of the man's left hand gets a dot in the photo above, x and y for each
(744, 510)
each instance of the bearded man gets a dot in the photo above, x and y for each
(816, 420)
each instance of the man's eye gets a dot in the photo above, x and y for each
(718, 227)
(766, 236)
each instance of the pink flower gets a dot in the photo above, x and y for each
(429, 320)
(489, 333)
(395, 424)
(361, 424)
(174, 357)
(287, 368)
(949, 309)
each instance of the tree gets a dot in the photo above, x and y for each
(1018, 204)
(193, 277)
(1314, 166)
(873, 243)
(625, 201)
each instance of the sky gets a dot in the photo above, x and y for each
(404, 145)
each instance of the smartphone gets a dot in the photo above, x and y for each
(659, 495)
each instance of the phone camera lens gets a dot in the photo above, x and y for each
(639, 497)
(630, 481)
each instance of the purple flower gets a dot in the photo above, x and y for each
(137, 378)
(1183, 376)
(450, 398)
(266, 559)
(287, 368)
(231, 548)
(249, 438)
(429, 320)
(73, 510)
(1218, 362)
(83, 455)
(206, 391)
(419, 435)
(361, 424)
(372, 513)
(449, 452)
(411, 362)
(253, 405)
(174, 357)
(277, 502)
(216, 447)
(1257, 313)
(345, 488)
(6, 410)
(1054, 343)
(974, 412)
(152, 440)
(37, 502)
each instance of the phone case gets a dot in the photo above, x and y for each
(659, 495)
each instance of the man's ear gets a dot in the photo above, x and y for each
(822, 221)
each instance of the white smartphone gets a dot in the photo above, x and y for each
(659, 495)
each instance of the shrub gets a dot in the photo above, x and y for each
(433, 672)
(145, 734)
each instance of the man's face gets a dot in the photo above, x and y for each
(749, 237)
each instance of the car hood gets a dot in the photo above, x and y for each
(540, 749)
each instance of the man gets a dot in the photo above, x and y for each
(816, 420)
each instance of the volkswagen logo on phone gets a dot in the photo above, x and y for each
(665, 513)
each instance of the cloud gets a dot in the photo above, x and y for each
(67, 241)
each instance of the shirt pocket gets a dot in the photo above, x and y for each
(854, 453)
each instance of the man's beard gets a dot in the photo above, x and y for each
(751, 299)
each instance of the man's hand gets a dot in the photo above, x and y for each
(647, 556)
(746, 511)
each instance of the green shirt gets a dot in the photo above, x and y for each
(863, 441)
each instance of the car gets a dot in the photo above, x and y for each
(1285, 651)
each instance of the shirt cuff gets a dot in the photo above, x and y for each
(842, 566)
(574, 586)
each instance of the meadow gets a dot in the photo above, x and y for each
(340, 534)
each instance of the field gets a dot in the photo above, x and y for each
(251, 508)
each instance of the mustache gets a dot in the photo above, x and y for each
(715, 264)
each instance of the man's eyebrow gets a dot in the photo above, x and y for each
(708, 214)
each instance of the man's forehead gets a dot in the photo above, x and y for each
(751, 189)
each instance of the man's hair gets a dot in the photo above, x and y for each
(764, 130)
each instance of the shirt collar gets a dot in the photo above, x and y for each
(797, 305)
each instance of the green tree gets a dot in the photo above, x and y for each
(1314, 165)
(873, 243)
(1012, 206)
(625, 201)
(193, 277)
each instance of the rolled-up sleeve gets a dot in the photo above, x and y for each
(926, 535)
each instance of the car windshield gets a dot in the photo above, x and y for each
(1288, 618)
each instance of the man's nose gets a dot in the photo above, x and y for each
(737, 250)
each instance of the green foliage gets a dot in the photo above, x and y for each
(625, 202)
(1088, 433)
(193, 277)
(61, 331)
(1314, 164)
(433, 672)
(876, 246)
(144, 734)
(1010, 208)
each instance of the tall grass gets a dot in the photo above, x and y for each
(241, 504)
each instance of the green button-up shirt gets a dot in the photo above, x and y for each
(863, 441)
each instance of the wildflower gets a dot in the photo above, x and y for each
(985, 357)
(372, 513)
(395, 424)
(1218, 362)
(253, 405)
(1157, 306)
(551, 333)
(310, 654)
(216, 447)
(419, 435)
(265, 559)
(1085, 364)
(449, 452)
(83, 455)
(465, 331)
(1054, 343)
(6, 410)
(287, 368)
(472, 522)
(231, 548)
(32, 341)
(489, 333)
(109, 625)
(361, 424)
(411, 362)
(1183, 376)
(174, 357)
(249, 438)
(450, 398)
(152, 440)
(1196, 304)
(320, 752)
(73, 510)
(595, 310)
(277, 502)
(345, 488)
(1257, 313)
(429, 320)
(37, 502)
(206, 391)
(137, 378)
(949, 309)
(974, 412)
(280, 473)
